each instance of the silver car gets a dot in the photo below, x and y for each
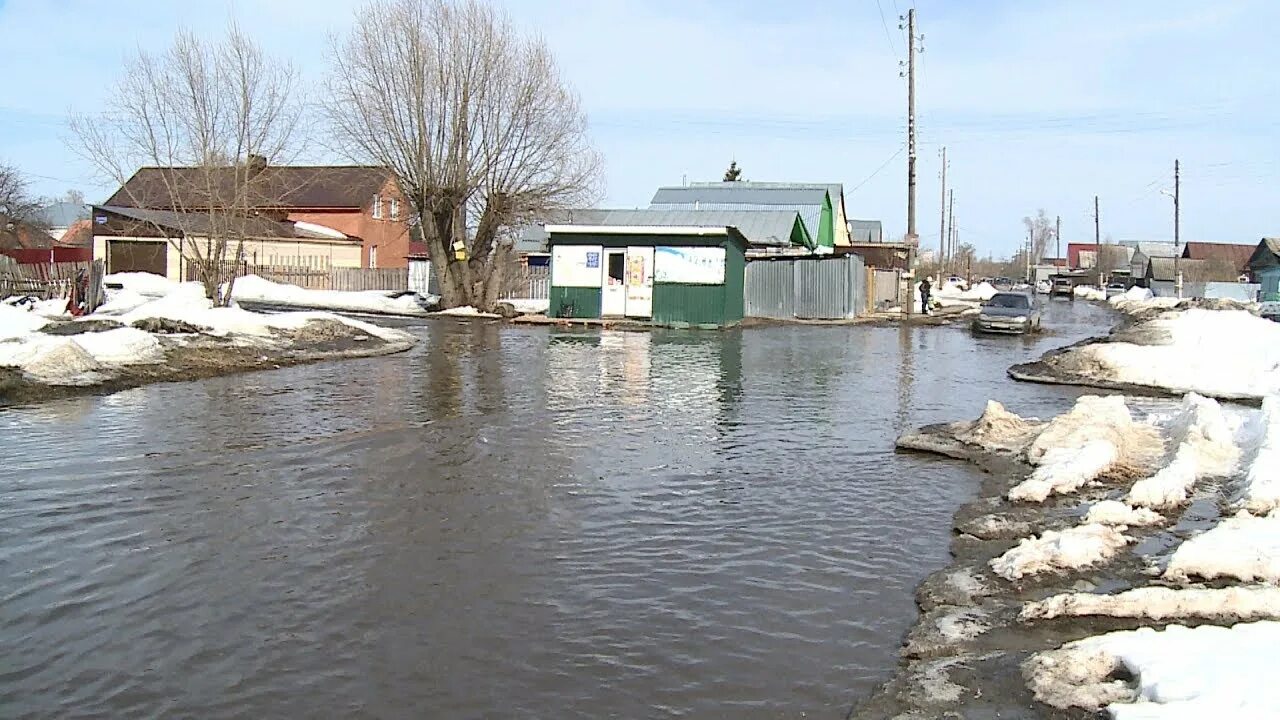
(1008, 312)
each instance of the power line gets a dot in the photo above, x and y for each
(883, 165)
(888, 38)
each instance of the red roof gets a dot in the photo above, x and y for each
(1237, 255)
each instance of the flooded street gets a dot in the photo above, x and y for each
(504, 522)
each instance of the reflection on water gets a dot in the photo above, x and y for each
(503, 522)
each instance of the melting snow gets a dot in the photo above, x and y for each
(1179, 673)
(1206, 447)
(254, 288)
(1242, 547)
(1161, 603)
(1076, 547)
(1114, 512)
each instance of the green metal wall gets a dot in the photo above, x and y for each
(683, 305)
(827, 225)
(1270, 280)
(585, 301)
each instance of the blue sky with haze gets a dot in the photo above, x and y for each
(1040, 104)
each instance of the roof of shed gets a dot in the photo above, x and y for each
(1163, 268)
(1153, 249)
(759, 227)
(866, 231)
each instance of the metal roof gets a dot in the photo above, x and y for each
(1166, 268)
(200, 224)
(1153, 249)
(63, 214)
(865, 231)
(759, 227)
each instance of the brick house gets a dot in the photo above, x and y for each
(359, 208)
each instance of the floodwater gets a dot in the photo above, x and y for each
(505, 522)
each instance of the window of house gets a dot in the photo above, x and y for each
(395, 208)
(377, 207)
(373, 256)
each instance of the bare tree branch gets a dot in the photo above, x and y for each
(203, 119)
(474, 121)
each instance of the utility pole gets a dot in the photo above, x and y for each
(1096, 234)
(913, 238)
(1177, 235)
(1057, 238)
(951, 222)
(942, 216)
(1027, 276)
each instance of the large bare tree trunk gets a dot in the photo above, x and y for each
(474, 120)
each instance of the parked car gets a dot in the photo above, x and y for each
(1002, 283)
(1062, 287)
(1008, 312)
(957, 280)
(1116, 287)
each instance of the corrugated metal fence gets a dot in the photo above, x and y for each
(885, 292)
(832, 288)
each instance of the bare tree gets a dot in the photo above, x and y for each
(1041, 228)
(17, 205)
(474, 121)
(206, 117)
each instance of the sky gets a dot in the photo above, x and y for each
(1041, 105)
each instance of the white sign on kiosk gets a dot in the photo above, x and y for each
(577, 265)
(689, 265)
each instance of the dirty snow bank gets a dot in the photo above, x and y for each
(77, 359)
(466, 311)
(1205, 447)
(979, 293)
(1179, 673)
(1076, 547)
(252, 288)
(1262, 482)
(1231, 354)
(1116, 513)
(1098, 436)
(1241, 547)
(1162, 603)
(16, 322)
(142, 283)
(1089, 292)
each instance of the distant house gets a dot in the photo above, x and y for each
(1144, 251)
(336, 216)
(1227, 261)
(865, 231)
(820, 205)
(60, 216)
(1110, 258)
(1264, 265)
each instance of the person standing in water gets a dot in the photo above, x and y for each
(925, 288)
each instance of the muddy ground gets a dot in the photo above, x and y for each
(963, 657)
(191, 355)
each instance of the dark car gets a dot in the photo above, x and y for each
(1008, 312)
(1062, 287)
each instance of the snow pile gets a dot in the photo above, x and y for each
(77, 359)
(252, 288)
(1116, 513)
(1179, 672)
(1088, 292)
(1262, 482)
(1000, 430)
(1242, 547)
(1133, 294)
(1205, 448)
(1076, 547)
(981, 292)
(1162, 603)
(141, 282)
(122, 346)
(1223, 353)
(466, 311)
(16, 322)
(1098, 437)
(529, 306)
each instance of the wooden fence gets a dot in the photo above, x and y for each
(529, 282)
(43, 280)
(321, 276)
